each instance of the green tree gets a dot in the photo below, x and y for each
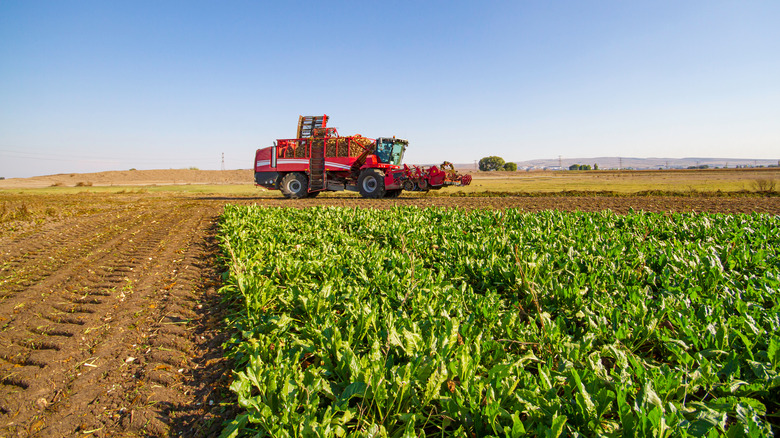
(596, 166)
(580, 167)
(491, 163)
(510, 167)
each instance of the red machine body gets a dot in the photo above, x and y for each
(318, 160)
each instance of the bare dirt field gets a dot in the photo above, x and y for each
(109, 313)
(108, 317)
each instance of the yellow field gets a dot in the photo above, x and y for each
(626, 181)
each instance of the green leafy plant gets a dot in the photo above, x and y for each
(442, 322)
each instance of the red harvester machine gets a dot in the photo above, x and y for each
(318, 159)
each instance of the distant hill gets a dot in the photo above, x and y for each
(133, 178)
(636, 163)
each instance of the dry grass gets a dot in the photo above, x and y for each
(10, 211)
(30, 206)
(25, 210)
(764, 185)
(684, 182)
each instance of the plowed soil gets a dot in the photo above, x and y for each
(108, 320)
(109, 314)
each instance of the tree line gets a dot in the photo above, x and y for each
(497, 163)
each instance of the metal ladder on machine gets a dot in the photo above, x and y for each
(306, 129)
(317, 165)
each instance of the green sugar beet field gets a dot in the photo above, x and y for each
(440, 322)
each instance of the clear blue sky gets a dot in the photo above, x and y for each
(110, 85)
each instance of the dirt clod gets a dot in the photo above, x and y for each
(41, 403)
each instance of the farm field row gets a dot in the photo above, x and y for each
(446, 322)
(19, 210)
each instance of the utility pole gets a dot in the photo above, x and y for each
(223, 161)
(560, 163)
(620, 160)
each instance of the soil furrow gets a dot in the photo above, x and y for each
(45, 267)
(87, 337)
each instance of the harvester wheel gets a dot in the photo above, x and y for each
(371, 183)
(294, 185)
(409, 185)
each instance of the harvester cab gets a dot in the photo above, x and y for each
(390, 150)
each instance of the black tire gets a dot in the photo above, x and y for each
(371, 183)
(393, 193)
(294, 185)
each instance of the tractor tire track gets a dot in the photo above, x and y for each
(30, 261)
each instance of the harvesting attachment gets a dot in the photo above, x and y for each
(421, 178)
